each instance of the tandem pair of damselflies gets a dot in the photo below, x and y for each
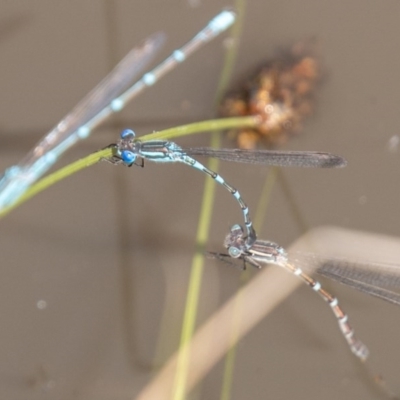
(128, 149)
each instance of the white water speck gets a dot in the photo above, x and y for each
(41, 304)
(194, 3)
(362, 200)
(393, 143)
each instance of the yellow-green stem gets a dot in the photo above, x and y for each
(189, 321)
(76, 166)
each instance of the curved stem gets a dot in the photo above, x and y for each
(184, 130)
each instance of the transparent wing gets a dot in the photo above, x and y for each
(118, 80)
(368, 277)
(92, 110)
(376, 291)
(105, 99)
(272, 157)
(372, 278)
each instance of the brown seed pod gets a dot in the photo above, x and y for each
(281, 92)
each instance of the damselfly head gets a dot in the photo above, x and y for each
(235, 241)
(128, 157)
(127, 134)
(126, 147)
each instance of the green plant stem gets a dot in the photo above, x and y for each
(263, 201)
(94, 158)
(219, 124)
(240, 6)
(259, 218)
(58, 176)
(189, 320)
(196, 275)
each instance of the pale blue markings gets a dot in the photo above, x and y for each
(219, 179)
(202, 37)
(128, 149)
(12, 171)
(83, 132)
(298, 271)
(89, 112)
(117, 105)
(179, 56)
(222, 21)
(317, 286)
(334, 302)
(265, 252)
(127, 134)
(100, 103)
(217, 25)
(149, 79)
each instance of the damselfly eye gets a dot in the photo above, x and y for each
(128, 157)
(237, 229)
(127, 134)
(234, 252)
